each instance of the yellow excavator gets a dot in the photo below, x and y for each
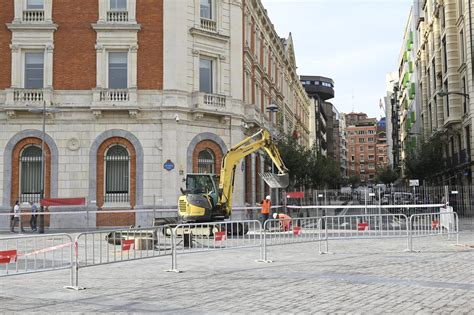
(208, 199)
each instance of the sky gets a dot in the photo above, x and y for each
(354, 42)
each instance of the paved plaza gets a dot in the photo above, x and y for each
(359, 276)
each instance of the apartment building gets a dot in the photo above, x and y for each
(321, 89)
(409, 107)
(136, 94)
(272, 92)
(361, 146)
(444, 65)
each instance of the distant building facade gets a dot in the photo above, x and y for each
(361, 147)
(321, 89)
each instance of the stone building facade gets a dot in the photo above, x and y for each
(137, 95)
(444, 66)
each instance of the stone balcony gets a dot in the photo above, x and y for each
(208, 25)
(19, 99)
(114, 99)
(117, 16)
(210, 103)
(33, 16)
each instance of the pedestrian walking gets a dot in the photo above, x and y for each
(34, 211)
(15, 218)
(265, 212)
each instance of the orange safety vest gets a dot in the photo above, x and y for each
(266, 206)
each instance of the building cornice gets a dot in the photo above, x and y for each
(32, 27)
(116, 27)
(213, 35)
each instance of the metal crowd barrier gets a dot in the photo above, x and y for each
(370, 226)
(29, 254)
(201, 237)
(434, 224)
(107, 247)
(289, 231)
(38, 253)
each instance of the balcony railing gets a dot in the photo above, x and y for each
(28, 95)
(117, 16)
(213, 100)
(117, 197)
(208, 25)
(33, 16)
(114, 96)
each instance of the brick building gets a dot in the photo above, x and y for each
(361, 146)
(137, 94)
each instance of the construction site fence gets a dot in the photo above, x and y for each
(39, 253)
(460, 197)
(200, 237)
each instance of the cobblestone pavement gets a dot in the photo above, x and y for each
(360, 276)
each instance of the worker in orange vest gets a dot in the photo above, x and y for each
(285, 221)
(266, 204)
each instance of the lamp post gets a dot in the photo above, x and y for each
(43, 111)
(446, 93)
(272, 108)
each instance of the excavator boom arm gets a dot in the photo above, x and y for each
(260, 140)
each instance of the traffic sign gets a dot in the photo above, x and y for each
(414, 182)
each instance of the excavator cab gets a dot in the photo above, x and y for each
(199, 199)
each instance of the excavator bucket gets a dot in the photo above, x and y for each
(276, 180)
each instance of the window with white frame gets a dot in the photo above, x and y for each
(117, 175)
(118, 5)
(118, 70)
(34, 4)
(206, 9)
(34, 70)
(30, 174)
(206, 78)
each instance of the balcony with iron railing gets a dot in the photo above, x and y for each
(208, 25)
(33, 16)
(117, 16)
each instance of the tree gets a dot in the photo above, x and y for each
(307, 168)
(296, 158)
(354, 180)
(387, 175)
(426, 162)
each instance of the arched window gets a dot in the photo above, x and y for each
(30, 174)
(206, 162)
(117, 175)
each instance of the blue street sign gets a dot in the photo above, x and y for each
(168, 165)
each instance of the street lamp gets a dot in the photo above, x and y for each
(272, 108)
(43, 111)
(443, 93)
